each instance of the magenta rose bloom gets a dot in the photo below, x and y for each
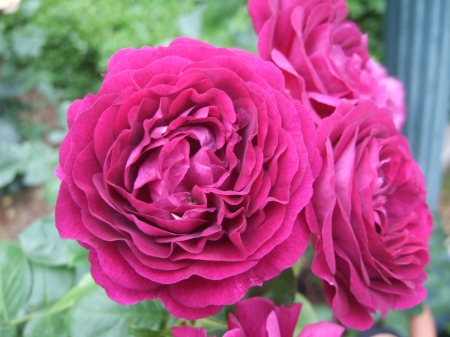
(259, 317)
(184, 176)
(323, 56)
(368, 216)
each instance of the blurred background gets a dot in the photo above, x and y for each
(53, 51)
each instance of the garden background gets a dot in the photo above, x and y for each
(52, 52)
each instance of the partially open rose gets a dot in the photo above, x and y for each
(368, 216)
(184, 176)
(259, 317)
(323, 56)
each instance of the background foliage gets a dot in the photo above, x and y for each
(55, 52)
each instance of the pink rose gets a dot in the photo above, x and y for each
(259, 317)
(368, 216)
(184, 176)
(323, 56)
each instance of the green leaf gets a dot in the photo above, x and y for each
(11, 159)
(324, 312)
(397, 320)
(297, 268)
(42, 244)
(142, 332)
(62, 113)
(29, 7)
(46, 325)
(307, 313)
(438, 271)
(56, 136)
(10, 91)
(8, 132)
(15, 280)
(218, 13)
(95, 315)
(51, 190)
(7, 175)
(34, 160)
(27, 41)
(33, 132)
(8, 330)
(41, 164)
(83, 287)
(415, 311)
(280, 290)
(49, 284)
(213, 325)
(191, 24)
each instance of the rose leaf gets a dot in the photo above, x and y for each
(307, 313)
(49, 284)
(42, 244)
(280, 290)
(15, 280)
(8, 330)
(97, 315)
(45, 325)
(142, 332)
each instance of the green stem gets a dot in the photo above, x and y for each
(2, 298)
(23, 319)
(210, 321)
(32, 314)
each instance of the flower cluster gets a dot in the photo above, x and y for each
(198, 172)
(368, 218)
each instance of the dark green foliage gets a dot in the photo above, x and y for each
(280, 290)
(368, 14)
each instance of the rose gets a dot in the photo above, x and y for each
(323, 57)
(184, 176)
(9, 6)
(259, 317)
(368, 216)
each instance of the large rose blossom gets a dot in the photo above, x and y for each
(184, 176)
(259, 317)
(368, 216)
(323, 56)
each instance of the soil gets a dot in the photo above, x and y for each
(18, 212)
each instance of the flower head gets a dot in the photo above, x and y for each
(368, 216)
(323, 56)
(184, 176)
